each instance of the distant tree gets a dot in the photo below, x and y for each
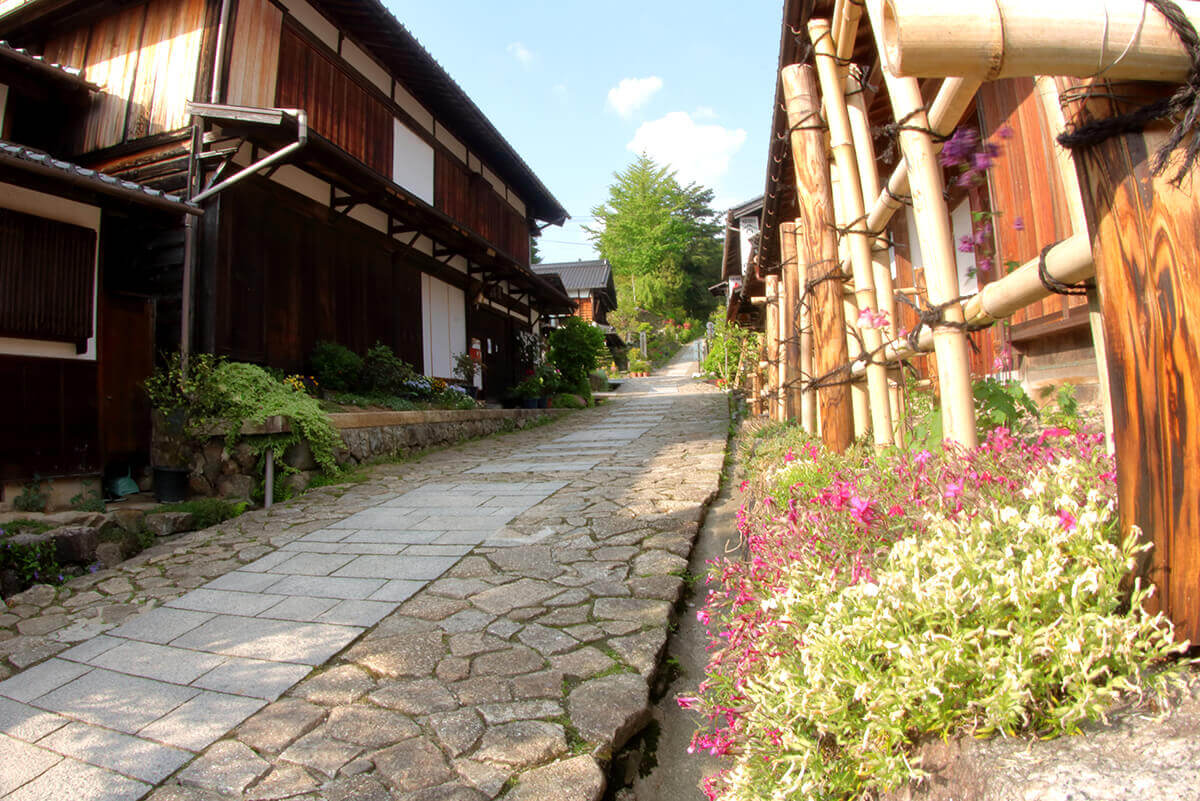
(661, 238)
(535, 255)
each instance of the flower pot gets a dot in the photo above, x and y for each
(171, 484)
(529, 403)
(541, 403)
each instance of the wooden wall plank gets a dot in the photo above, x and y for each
(254, 62)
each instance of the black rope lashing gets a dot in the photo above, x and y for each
(932, 317)
(802, 125)
(893, 130)
(1184, 104)
(1052, 284)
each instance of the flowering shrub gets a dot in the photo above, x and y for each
(890, 598)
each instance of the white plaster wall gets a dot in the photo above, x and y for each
(302, 183)
(369, 215)
(444, 325)
(960, 219)
(410, 104)
(312, 19)
(451, 142)
(366, 65)
(412, 162)
(17, 198)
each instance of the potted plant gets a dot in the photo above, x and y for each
(177, 399)
(466, 368)
(530, 391)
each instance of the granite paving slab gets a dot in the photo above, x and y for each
(419, 633)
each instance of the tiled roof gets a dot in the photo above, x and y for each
(30, 160)
(22, 57)
(578, 275)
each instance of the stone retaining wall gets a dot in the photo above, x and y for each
(234, 473)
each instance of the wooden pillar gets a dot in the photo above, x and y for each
(789, 322)
(1048, 92)
(771, 406)
(802, 403)
(937, 246)
(1145, 236)
(881, 267)
(855, 217)
(817, 249)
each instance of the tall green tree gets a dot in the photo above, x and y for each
(661, 238)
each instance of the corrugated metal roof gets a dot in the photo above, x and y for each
(577, 275)
(26, 158)
(23, 57)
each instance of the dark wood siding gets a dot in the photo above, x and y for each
(338, 107)
(49, 421)
(1025, 184)
(468, 198)
(287, 277)
(47, 278)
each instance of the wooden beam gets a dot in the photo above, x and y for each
(817, 249)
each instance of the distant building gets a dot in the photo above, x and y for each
(589, 283)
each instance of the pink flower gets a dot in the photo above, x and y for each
(954, 489)
(789, 456)
(1019, 224)
(1067, 520)
(923, 458)
(745, 485)
(687, 702)
(703, 617)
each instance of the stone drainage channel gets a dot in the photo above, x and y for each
(482, 623)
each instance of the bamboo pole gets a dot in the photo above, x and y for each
(949, 105)
(789, 322)
(1070, 261)
(817, 249)
(841, 141)
(844, 28)
(937, 246)
(1011, 38)
(1048, 94)
(881, 268)
(807, 413)
(772, 343)
(860, 401)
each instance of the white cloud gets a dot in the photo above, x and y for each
(521, 53)
(560, 92)
(704, 113)
(697, 152)
(632, 93)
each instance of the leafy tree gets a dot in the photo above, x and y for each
(661, 238)
(576, 348)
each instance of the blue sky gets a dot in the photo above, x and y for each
(574, 86)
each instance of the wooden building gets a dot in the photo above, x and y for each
(339, 186)
(1055, 242)
(589, 283)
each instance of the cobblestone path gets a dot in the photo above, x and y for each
(483, 622)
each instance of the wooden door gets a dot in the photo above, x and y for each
(126, 359)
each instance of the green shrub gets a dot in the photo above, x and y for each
(1063, 411)
(568, 401)
(384, 371)
(32, 498)
(1002, 403)
(250, 395)
(34, 562)
(575, 349)
(205, 511)
(336, 367)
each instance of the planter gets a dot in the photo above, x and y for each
(171, 484)
(542, 403)
(529, 403)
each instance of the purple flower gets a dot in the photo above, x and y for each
(966, 244)
(982, 160)
(967, 178)
(958, 148)
(1019, 224)
(1005, 132)
(984, 265)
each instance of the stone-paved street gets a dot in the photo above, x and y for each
(483, 622)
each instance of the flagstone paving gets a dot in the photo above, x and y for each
(481, 623)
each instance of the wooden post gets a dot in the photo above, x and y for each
(817, 249)
(1048, 92)
(1145, 236)
(937, 246)
(855, 216)
(772, 343)
(789, 322)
